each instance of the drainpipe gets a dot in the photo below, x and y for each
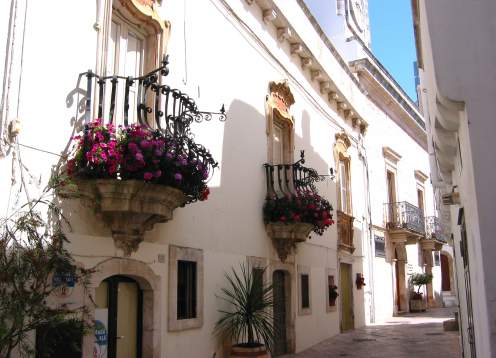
(363, 156)
(7, 81)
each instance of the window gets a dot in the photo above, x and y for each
(331, 291)
(280, 143)
(280, 124)
(380, 247)
(437, 259)
(305, 292)
(186, 289)
(258, 280)
(185, 293)
(420, 199)
(344, 186)
(126, 48)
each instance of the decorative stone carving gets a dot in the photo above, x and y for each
(286, 236)
(131, 207)
(281, 98)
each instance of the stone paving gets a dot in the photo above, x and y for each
(412, 336)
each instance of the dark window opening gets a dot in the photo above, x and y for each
(305, 292)
(380, 246)
(186, 289)
(332, 291)
(258, 282)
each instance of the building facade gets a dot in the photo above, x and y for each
(290, 82)
(457, 97)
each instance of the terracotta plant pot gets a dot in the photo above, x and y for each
(243, 352)
(417, 305)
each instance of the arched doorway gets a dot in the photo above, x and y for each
(141, 294)
(445, 273)
(120, 299)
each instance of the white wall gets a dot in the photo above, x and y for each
(217, 60)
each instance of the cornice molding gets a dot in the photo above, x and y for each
(421, 176)
(391, 155)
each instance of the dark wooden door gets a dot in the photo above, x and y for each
(347, 315)
(445, 273)
(280, 309)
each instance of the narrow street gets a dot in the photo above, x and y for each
(409, 336)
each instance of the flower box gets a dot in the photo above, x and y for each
(136, 176)
(131, 207)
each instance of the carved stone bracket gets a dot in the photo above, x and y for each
(286, 236)
(131, 207)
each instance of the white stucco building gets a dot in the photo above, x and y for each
(458, 89)
(289, 82)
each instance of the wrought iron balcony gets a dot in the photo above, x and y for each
(403, 215)
(290, 179)
(435, 230)
(157, 105)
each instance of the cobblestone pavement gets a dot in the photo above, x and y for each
(412, 336)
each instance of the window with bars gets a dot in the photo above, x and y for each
(186, 289)
(331, 291)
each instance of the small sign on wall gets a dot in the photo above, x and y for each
(101, 333)
(409, 269)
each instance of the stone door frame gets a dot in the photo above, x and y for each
(148, 282)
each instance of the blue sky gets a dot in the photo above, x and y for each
(393, 41)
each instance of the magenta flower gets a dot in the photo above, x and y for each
(157, 174)
(148, 176)
(139, 156)
(178, 177)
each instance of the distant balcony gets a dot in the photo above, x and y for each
(404, 217)
(435, 230)
(345, 232)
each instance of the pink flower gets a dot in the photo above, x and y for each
(139, 156)
(157, 174)
(148, 176)
(178, 177)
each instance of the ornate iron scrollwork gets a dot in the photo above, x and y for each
(159, 107)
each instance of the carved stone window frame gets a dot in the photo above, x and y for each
(143, 15)
(177, 253)
(304, 270)
(341, 154)
(277, 105)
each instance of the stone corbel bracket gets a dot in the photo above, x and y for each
(286, 236)
(131, 207)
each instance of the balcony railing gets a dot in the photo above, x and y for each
(435, 229)
(403, 215)
(148, 102)
(290, 179)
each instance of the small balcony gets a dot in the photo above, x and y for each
(404, 219)
(435, 230)
(345, 232)
(293, 208)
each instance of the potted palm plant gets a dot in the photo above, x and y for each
(418, 280)
(249, 321)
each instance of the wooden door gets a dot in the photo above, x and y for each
(445, 274)
(280, 311)
(124, 301)
(346, 283)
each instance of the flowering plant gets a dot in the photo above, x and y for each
(139, 153)
(305, 207)
(98, 154)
